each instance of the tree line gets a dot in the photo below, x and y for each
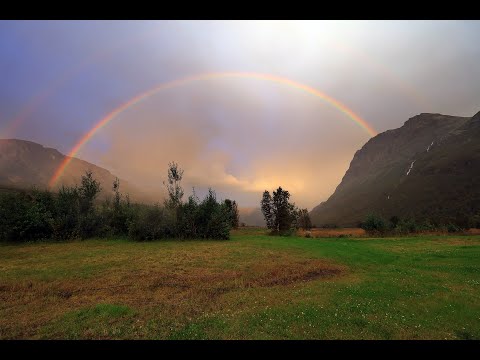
(75, 212)
(377, 225)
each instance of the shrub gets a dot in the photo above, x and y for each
(475, 221)
(73, 212)
(38, 217)
(192, 220)
(114, 218)
(407, 226)
(212, 219)
(147, 223)
(89, 221)
(25, 216)
(451, 228)
(374, 224)
(65, 223)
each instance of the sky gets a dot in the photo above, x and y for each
(239, 134)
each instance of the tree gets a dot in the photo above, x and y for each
(281, 210)
(213, 218)
(116, 190)
(266, 206)
(233, 211)
(304, 219)
(66, 221)
(280, 215)
(175, 191)
(174, 202)
(121, 211)
(235, 215)
(294, 215)
(88, 191)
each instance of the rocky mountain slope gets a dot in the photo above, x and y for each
(427, 169)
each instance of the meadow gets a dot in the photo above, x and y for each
(253, 286)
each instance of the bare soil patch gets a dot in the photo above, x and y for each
(165, 280)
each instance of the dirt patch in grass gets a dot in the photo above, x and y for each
(265, 275)
(290, 273)
(180, 281)
(258, 275)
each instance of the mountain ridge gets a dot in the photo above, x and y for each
(24, 163)
(404, 161)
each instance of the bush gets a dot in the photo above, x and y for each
(211, 220)
(114, 218)
(73, 212)
(66, 219)
(407, 226)
(147, 223)
(39, 216)
(374, 224)
(192, 220)
(452, 228)
(26, 216)
(475, 221)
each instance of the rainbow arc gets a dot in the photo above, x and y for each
(202, 77)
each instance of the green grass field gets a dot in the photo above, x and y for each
(253, 286)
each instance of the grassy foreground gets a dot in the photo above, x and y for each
(250, 287)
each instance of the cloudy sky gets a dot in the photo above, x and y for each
(238, 134)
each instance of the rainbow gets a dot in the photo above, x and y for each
(206, 76)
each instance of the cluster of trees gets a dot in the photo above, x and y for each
(375, 224)
(193, 219)
(41, 214)
(75, 212)
(281, 216)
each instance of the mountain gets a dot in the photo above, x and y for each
(24, 164)
(427, 169)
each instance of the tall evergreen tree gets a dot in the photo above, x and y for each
(235, 215)
(266, 206)
(233, 212)
(282, 210)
